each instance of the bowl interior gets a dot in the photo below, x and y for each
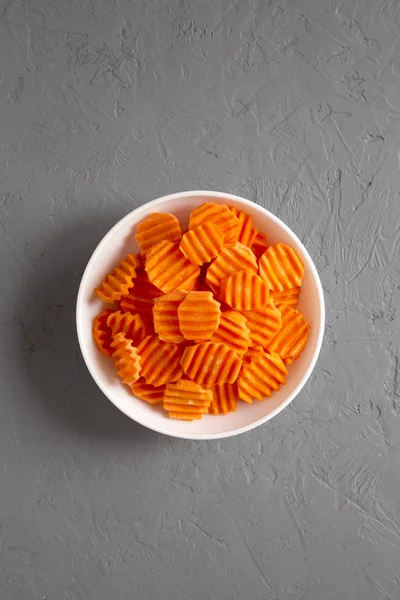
(117, 243)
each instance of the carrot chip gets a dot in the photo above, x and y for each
(149, 393)
(199, 315)
(220, 215)
(292, 337)
(232, 331)
(252, 352)
(210, 364)
(160, 360)
(281, 268)
(230, 260)
(225, 399)
(289, 297)
(127, 359)
(263, 323)
(186, 399)
(102, 333)
(168, 269)
(131, 325)
(258, 379)
(156, 228)
(117, 283)
(244, 291)
(165, 312)
(248, 233)
(140, 299)
(202, 243)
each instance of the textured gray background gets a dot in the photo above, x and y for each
(104, 105)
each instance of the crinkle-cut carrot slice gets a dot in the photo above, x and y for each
(258, 379)
(140, 299)
(248, 233)
(186, 408)
(168, 269)
(281, 268)
(230, 260)
(287, 297)
(225, 399)
(187, 396)
(263, 323)
(185, 411)
(232, 331)
(187, 416)
(127, 359)
(117, 283)
(291, 359)
(102, 333)
(202, 243)
(160, 360)
(157, 227)
(251, 352)
(210, 364)
(186, 400)
(165, 313)
(220, 215)
(199, 316)
(292, 337)
(259, 245)
(149, 393)
(244, 291)
(126, 322)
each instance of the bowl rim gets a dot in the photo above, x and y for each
(146, 208)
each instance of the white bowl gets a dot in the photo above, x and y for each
(117, 243)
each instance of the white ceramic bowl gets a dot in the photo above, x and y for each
(117, 243)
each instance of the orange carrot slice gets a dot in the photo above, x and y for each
(168, 269)
(185, 399)
(117, 283)
(290, 360)
(160, 360)
(244, 291)
(248, 233)
(199, 316)
(140, 300)
(233, 331)
(292, 337)
(251, 352)
(263, 323)
(202, 243)
(125, 322)
(289, 297)
(185, 416)
(225, 399)
(259, 378)
(102, 333)
(210, 364)
(220, 215)
(281, 268)
(149, 393)
(165, 312)
(186, 392)
(157, 227)
(230, 260)
(127, 359)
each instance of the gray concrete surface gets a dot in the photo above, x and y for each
(104, 105)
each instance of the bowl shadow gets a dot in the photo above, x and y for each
(49, 344)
